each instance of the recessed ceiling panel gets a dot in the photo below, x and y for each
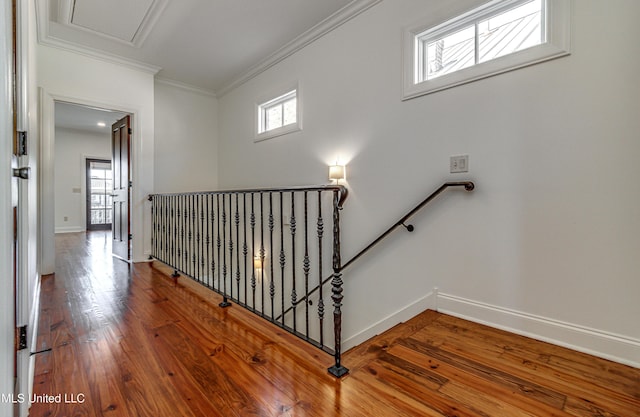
(120, 19)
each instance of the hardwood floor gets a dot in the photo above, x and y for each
(129, 341)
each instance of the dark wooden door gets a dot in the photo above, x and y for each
(121, 164)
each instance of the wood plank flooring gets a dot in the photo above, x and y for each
(129, 341)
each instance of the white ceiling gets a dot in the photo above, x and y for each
(77, 117)
(207, 44)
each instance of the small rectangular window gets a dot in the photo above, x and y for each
(278, 115)
(498, 36)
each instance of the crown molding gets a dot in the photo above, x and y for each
(337, 19)
(184, 86)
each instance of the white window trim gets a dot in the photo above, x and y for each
(557, 44)
(266, 99)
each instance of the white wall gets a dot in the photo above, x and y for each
(186, 140)
(72, 148)
(67, 76)
(548, 243)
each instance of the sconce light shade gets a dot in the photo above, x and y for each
(257, 263)
(336, 172)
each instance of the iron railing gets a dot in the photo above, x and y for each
(262, 249)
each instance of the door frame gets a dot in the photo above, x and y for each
(7, 301)
(139, 218)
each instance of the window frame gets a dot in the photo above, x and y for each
(275, 98)
(556, 43)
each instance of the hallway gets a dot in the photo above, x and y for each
(127, 341)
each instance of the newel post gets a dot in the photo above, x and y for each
(337, 370)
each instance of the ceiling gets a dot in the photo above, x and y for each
(77, 117)
(207, 44)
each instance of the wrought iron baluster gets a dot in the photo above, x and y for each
(162, 230)
(253, 252)
(199, 236)
(207, 240)
(282, 256)
(272, 290)
(213, 234)
(231, 247)
(262, 252)
(337, 370)
(237, 220)
(320, 225)
(190, 259)
(294, 296)
(156, 213)
(168, 200)
(225, 302)
(306, 265)
(155, 202)
(245, 248)
(183, 237)
(218, 241)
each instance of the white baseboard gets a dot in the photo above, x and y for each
(72, 229)
(402, 315)
(618, 348)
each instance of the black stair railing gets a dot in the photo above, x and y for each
(468, 185)
(262, 249)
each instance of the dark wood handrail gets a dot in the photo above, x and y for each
(344, 191)
(468, 186)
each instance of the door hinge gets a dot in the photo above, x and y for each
(21, 337)
(22, 143)
(130, 236)
(130, 184)
(130, 131)
(21, 173)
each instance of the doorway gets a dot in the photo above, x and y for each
(141, 169)
(99, 201)
(83, 167)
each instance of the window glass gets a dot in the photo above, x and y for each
(511, 31)
(498, 36)
(278, 115)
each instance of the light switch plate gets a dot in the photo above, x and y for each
(459, 163)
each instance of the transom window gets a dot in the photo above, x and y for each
(278, 115)
(498, 36)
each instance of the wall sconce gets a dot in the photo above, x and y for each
(257, 263)
(337, 172)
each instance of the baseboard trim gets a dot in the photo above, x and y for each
(402, 315)
(606, 345)
(614, 347)
(73, 229)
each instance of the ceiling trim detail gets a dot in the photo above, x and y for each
(340, 17)
(44, 38)
(65, 14)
